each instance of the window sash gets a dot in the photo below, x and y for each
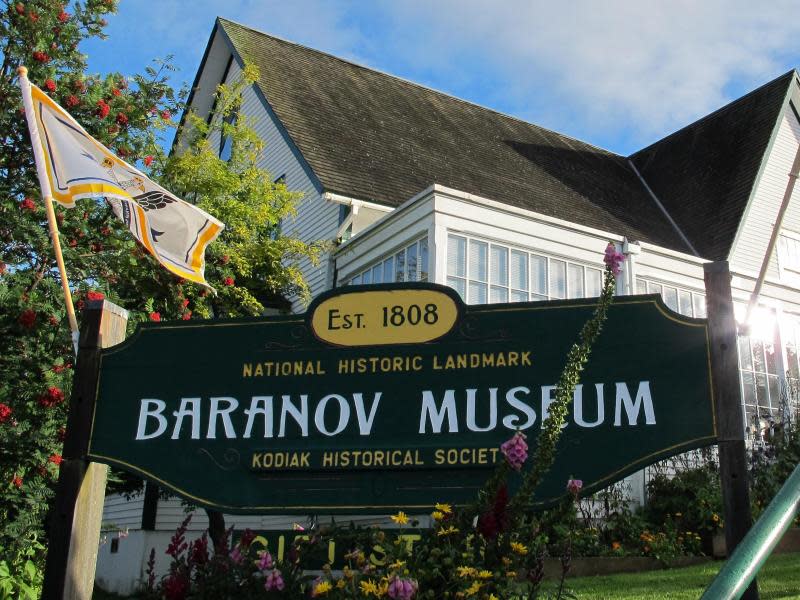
(408, 264)
(483, 271)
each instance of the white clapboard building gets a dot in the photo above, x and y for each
(411, 184)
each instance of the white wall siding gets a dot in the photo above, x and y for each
(748, 253)
(219, 53)
(684, 272)
(120, 513)
(384, 237)
(493, 222)
(316, 218)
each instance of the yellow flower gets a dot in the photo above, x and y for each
(484, 574)
(368, 587)
(437, 515)
(715, 517)
(397, 564)
(474, 588)
(466, 571)
(340, 583)
(511, 574)
(493, 597)
(322, 588)
(400, 518)
(383, 589)
(447, 531)
(519, 548)
(445, 508)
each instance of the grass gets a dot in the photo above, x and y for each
(779, 578)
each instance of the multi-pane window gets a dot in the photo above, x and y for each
(758, 363)
(407, 264)
(790, 334)
(691, 304)
(789, 252)
(484, 272)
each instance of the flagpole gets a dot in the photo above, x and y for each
(44, 184)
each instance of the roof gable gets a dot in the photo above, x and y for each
(375, 137)
(704, 174)
(372, 136)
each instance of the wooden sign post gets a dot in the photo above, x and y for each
(728, 407)
(78, 511)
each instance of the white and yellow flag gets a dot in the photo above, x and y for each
(78, 166)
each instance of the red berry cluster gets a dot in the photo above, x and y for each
(53, 397)
(102, 109)
(28, 318)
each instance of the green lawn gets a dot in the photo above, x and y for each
(780, 578)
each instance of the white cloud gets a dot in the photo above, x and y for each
(621, 72)
(649, 66)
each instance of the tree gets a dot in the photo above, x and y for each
(250, 265)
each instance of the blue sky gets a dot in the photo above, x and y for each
(618, 74)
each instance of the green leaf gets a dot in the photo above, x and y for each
(30, 570)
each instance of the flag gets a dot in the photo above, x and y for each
(77, 166)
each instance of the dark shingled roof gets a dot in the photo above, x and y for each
(371, 136)
(704, 173)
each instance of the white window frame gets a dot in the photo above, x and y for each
(786, 270)
(651, 286)
(383, 261)
(503, 285)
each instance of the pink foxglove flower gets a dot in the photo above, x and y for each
(613, 259)
(274, 581)
(402, 589)
(265, 562)
(574, 486)
(515, 450)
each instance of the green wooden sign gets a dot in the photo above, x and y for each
(395, 397)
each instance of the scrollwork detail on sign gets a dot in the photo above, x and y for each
(298, 333)
(231, 458)
(470, 329)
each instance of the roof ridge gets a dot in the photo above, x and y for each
(716, 113)
(424, 87)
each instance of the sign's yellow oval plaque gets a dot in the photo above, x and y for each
(377, 317)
